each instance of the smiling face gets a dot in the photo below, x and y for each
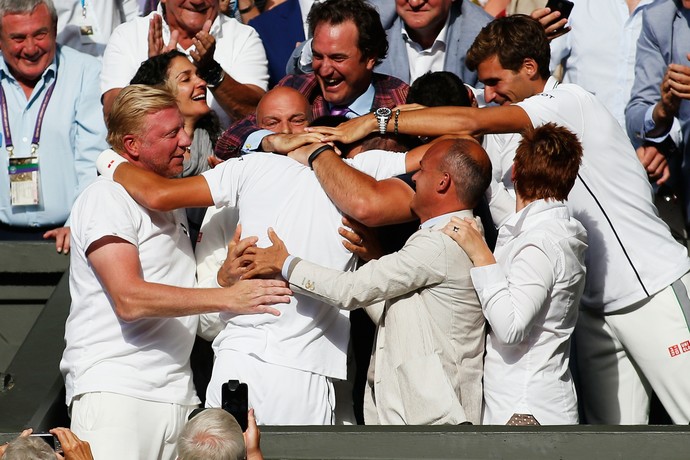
(28, 44)
(503, 86)
(189, 15)
(342, 71)
(283, 110)
(162, 142)
(189, 88)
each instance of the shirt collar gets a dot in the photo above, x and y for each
(443, 219)
(362, 105)
(439, 43)
(532, 216)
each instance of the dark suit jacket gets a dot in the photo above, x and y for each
(388, 92)
(466, 20)
(280, 30)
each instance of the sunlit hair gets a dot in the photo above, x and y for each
(511, 39)
(372, 40)
(130, 109)
(213, 434)
(546, 163)
(26, 7)
(470, 175)
(28, 447)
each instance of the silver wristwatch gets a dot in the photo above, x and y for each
(383, 114)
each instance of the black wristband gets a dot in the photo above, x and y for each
(213, 74)
(316, 153)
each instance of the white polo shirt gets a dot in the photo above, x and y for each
(275, 191)
(631, 254)
(147, 358)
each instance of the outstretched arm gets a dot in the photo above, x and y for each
(135, 298)
(153, 191)
(434, 121)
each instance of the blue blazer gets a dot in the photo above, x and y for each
(280, 30)
(466, 20)
(665, 39)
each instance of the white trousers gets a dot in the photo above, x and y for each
(121, 427)
(279, 395)
(625, 355)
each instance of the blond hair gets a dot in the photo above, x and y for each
(130, 109)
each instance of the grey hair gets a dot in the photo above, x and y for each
(213, 434)
(28, 448)
(26, 7)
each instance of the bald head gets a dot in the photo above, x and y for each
(469, 167)
(283, 110)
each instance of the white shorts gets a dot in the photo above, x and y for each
(625, 355)
(279, 395)
(118, 426)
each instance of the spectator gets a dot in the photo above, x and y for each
(138, 313)
(599, 55)
(348, 43)
(530, 287)
(659, 93)
(52, 123)
(27, 447)
(281, 29)
(429, 36)
(87, 25)
(229, 56)
(212, 434)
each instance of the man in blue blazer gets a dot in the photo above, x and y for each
(281, 29)
(429, 28)
(659, 93)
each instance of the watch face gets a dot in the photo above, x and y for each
(383, 112)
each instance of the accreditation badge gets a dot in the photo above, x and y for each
(89, 32)
(23, 174)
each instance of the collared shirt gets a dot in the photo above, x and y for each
(72, 136)
(603, 31)
(530, 297)
(422, 60)
(101, 15)
(239, 51)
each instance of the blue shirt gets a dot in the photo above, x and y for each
(72, 136)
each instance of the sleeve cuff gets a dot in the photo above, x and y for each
(649, 125)
(253, 142)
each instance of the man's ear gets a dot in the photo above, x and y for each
(371, 62)
(444, 183)
(130, 143)
(531, 68)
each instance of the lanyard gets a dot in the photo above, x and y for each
(83, 9)
(9, 145)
